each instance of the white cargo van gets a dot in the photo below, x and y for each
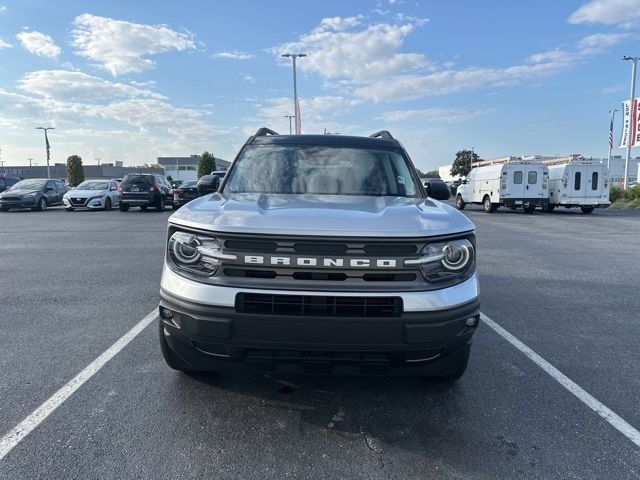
(507, 181)
(577, 182)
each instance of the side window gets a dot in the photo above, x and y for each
(60, 187)
(50, 185)
(532, 178)
(576, 182)
(594, 181)
(517, 177)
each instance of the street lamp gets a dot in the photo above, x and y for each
(289, 117)
(46, 144)
(633, 95)
(296, 107)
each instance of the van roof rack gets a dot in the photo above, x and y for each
(382, 134)
(265, 131)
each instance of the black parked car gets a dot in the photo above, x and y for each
(34, 193)
(184, 193)
(7, 181)
(144, 190)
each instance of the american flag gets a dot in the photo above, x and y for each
(611, 133)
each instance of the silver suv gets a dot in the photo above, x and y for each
(319, 254)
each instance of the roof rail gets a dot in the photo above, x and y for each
(265, 131)
(382, 134)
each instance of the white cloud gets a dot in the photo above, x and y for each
(71, 86)
(123, 47)
(234, 55)
(39, 43)
(609, 12)
(3, 9)
(248, 78)
(4, 44)
(440, 115)
(337, 49)
(599, 42)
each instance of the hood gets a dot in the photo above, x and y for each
(85, 193)
(18, 193)
(337, 215)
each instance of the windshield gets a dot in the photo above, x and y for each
(93, 185)
(29, 185)
(321, 170)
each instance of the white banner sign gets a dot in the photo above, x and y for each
(630, 123)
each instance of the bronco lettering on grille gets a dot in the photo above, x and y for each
(329, 262)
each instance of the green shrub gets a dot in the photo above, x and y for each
(633, 193)
(615, 194)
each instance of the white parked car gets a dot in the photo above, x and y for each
(92, 194)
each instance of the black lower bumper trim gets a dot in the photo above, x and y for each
(219, 339)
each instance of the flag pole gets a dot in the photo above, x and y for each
(633, 118)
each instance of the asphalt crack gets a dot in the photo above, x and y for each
(378, 452)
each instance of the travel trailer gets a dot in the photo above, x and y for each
(577, 182)
(509, 181)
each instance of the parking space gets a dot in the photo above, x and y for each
(74, 283)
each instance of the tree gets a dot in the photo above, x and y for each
(462, 164)
(75, 170)
(206, 164)
(432, 174)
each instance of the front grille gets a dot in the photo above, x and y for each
(78, 201)
(318, 306)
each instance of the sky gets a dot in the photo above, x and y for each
(132, 81)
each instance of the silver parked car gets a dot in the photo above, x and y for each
(92, 194)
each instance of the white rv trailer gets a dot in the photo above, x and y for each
(508, 181)
(577, 182)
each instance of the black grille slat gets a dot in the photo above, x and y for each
(307, 305)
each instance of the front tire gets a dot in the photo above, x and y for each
(123, 207)
(161, 205)
(42, 205)
(550, 208)
(587, 210)
(460, 203)
(171, 359)
(488, 206)
(529, 210)
(107, 204)
(4, 209)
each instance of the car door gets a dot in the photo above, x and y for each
(593, 187)
(61, 189)
(113, 193)
(534, 179)
(515, 182)
(51, 193)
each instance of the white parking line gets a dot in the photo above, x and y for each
(594, 404)
(26, 426)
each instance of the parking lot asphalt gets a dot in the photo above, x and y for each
(565, 284)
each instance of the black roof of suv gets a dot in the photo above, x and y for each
(379, 139)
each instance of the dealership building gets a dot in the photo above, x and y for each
(59, 171)
(185, 168)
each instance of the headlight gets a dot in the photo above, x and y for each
(196, 253)
(30, 195)
(445, 260)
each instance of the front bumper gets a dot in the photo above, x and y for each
(94, 204)
(24, 203)
(426, 339)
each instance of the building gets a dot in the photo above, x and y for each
(59, 171)
(445, 173)
(185, 168)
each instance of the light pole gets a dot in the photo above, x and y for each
(633, 120)
(296, 106)
(30, 160)
(613, 114)
(46, 144)
(290, 117)
(98, 160)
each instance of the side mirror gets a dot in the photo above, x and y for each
(438, 190)
(49, 189)
(208, 184)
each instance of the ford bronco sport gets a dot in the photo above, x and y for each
(319, 254)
